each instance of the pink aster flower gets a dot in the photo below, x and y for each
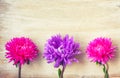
(101, 50)
(21, 50)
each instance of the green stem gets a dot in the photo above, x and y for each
(105, 70)
(62, 72)
(19, 72)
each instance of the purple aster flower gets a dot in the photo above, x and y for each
(60, 50)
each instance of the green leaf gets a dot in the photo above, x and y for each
(59, 72)
(97, 63)
(104, 70)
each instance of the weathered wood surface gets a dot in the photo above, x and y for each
(39, 19)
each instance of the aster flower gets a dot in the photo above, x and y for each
(20, 51)
(101, 50)
(62, 51)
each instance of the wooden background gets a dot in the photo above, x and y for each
(40, 19)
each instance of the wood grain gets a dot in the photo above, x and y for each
(39, 19)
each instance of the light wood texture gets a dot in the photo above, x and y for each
(40, 19)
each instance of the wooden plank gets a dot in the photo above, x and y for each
(39, 19)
